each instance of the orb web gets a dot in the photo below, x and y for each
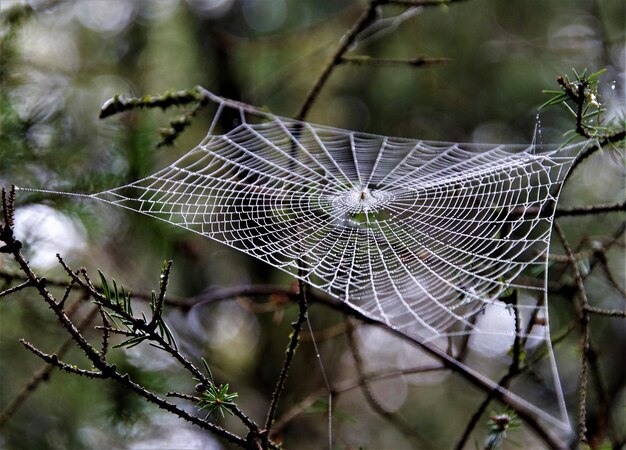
(422, 236)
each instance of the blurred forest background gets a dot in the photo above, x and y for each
(61, 60)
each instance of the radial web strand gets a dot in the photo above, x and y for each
(426, 237)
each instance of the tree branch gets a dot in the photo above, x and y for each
(106, 370)
(395, 421)
(43, 374)
(367, 17)
(291, 350)
(15, 289)
(425, 3)
(388, 62)
(576, 92)
(583, 319)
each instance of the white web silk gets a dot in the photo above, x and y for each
(419, 235)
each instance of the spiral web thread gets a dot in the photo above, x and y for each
(422, 236)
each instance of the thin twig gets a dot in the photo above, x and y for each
(578, 256)
(43, 373)
(158, 304)
(297, 409)
(604, 264)
(120, 103)
(154, 336)
(326, 334)
(192, 398)
(425, 3)
(13, 246)
(607, 244)
(605, 312)
(367, 17)
(394, 420)
(591, 210)
(468, 375)
(576, 92)
(514, 370)
(593, 355)
(291, 350)
(583, 316)
(604, 413)
(389, 62)
(181, 303)
(350, 385)
(343, 387)
(15, 289)
(54, 361)
(106, 335)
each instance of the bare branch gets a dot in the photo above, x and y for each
(366, 18)
(43, 374)
(420, 61)
(395, 421)
(425, 3)
(576, 92)
(15, 289)
(291, 350)
(583, 316)
(606, 312)
(54, 361)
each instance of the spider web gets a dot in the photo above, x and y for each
(421, 236)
